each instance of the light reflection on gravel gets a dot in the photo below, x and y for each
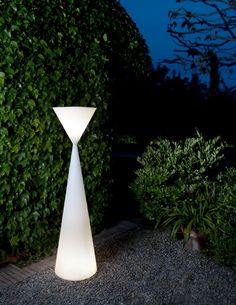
(137, 268)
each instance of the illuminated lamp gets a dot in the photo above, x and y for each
(75, 259)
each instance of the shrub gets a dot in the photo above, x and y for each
(222, 241)
(184, 184)
(172, 171)
(208, 211)
(55, 53)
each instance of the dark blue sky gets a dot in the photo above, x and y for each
(151, 17)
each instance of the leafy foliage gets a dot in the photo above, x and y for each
(55, 53)
(184, 184)
(205, 212)
(172, 171)
(222, 241)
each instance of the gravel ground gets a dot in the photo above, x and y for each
(139, 267)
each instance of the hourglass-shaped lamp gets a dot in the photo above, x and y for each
(75, 255)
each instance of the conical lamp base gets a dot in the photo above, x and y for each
(75, 257)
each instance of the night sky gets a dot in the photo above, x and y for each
(151, 17)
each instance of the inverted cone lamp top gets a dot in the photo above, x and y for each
(74, 120)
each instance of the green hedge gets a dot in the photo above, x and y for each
(56, 53)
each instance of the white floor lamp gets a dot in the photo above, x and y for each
(75, 255)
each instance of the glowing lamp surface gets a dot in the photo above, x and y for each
(74, 120)
(75, 254)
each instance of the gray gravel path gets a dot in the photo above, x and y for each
(139, 267)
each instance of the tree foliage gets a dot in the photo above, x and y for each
(207, 39)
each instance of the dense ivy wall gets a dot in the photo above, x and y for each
(56, 53)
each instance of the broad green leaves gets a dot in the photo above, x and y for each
(55, 53)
